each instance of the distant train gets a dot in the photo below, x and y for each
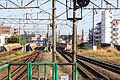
(62, 46)
(41, 42)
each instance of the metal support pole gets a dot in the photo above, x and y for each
(74, 38)
(59, 38)
(82, 35)
(6, 3)
(37, 2)
(38, 67)
(19, 32)
(9, 74)
(56, 71)
(53, 72)
(45, 69)
(21, 3)
(56, 38)
(93, 27)
(117, 3)
(30, 71)
(82, 39)
(54, 30)
(101, 3)
(28, 74)
(47, 38)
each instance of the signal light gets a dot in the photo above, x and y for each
(83, 3)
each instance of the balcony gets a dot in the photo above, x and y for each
(115, 34)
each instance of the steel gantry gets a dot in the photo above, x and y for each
(48, 12)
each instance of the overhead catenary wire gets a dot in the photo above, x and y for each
(84, 16)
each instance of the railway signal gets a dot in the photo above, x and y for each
(83, 3)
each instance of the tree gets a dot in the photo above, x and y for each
(22, 41)
(13, 39)
(16, 39)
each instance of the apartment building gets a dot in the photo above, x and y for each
(97, 34)
(8, 30)
(115, 32)
(5, 30)
(106, 25)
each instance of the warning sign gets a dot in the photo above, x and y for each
(64, 77)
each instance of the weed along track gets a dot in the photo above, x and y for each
(89, 72)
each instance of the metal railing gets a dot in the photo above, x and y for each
(38, 64)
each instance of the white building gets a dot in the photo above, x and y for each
(2, 40)
(115, 31)
(106, 25)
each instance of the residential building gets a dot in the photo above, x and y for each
(5, 30)
(97, 34)
(90, 36)
(106, 25)
(115, 31)
(14, 31)
(8, 30)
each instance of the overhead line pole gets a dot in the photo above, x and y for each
(21, 3)
(54, 30)
(19, 32)
(117, 3)
(74, 39)
(93, 27)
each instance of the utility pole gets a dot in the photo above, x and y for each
(47, 37)
(54, 30)
(82, 39)
(74, 39)
(82, 35)
(6, 3)
(117, 3)
(101, 3)
(93, 26)
(21, 3)
(59, 38)
(19, 31)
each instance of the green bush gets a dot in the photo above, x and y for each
(13, 39)
(16, 39)
(98, 46)
(22, 41)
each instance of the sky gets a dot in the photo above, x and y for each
(45, 11)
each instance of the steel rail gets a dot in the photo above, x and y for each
(38, 58)
(18, 69)
(22, 74)
(81, 71)
(111, 67)
(85, 70)
(96, 74)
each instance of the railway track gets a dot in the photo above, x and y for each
(108, 66)
(23, 74)
(19, 72)
(85, 70)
